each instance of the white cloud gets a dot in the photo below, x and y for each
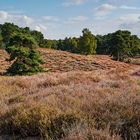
(54, 28)
(104, 9)
(23, 21)
(37, 28)
(15, 18)
(40, 28)
(50, 18)
(3, 15)
(73, 2)
(130, 18)
(119, 2)
(125, 22)
(125, 7)
(77, 19)
(131, 22)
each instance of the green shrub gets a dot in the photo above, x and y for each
(26, 58)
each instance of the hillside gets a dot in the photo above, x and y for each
(79, 98)
(61, 61)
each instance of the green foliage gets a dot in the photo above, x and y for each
(122, 45)
(8, 30)
(52, 44)
(135, 42)
(69, 44)
(102, 44)
(1, 42)
(38, 36)
(26, 59)
(87, 43)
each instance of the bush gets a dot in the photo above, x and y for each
(23, 122)
(26, 58)
(43, 121)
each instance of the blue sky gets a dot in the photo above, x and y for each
(60, 18)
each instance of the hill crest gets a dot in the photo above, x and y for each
(62, 61)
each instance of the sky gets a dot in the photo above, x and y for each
(66, 18)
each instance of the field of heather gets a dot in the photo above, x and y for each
(79, 98)
(61, 61)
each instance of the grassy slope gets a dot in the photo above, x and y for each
(93, 95)
(61, 61)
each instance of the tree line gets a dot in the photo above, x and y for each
(21, 44)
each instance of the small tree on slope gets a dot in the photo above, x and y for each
(26, 59)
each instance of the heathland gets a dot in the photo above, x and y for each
(78, 98)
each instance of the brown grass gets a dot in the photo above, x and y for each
(102, 103)
(61, 61)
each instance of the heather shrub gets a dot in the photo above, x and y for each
(27, 122)
(16, 99)
(62, 124)
(84, 132)
(70, 106)
(127, 129)
(120, 116)
(43, 121)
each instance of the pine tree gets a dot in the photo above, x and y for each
(87, 43)
(123, 45)
(25, 56)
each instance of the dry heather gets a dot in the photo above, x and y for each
(3, 63)
(98, 100)
(61, 61)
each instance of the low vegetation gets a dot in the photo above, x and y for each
(80, 97)
(120, 45)
(99, 104)
(62, 61)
